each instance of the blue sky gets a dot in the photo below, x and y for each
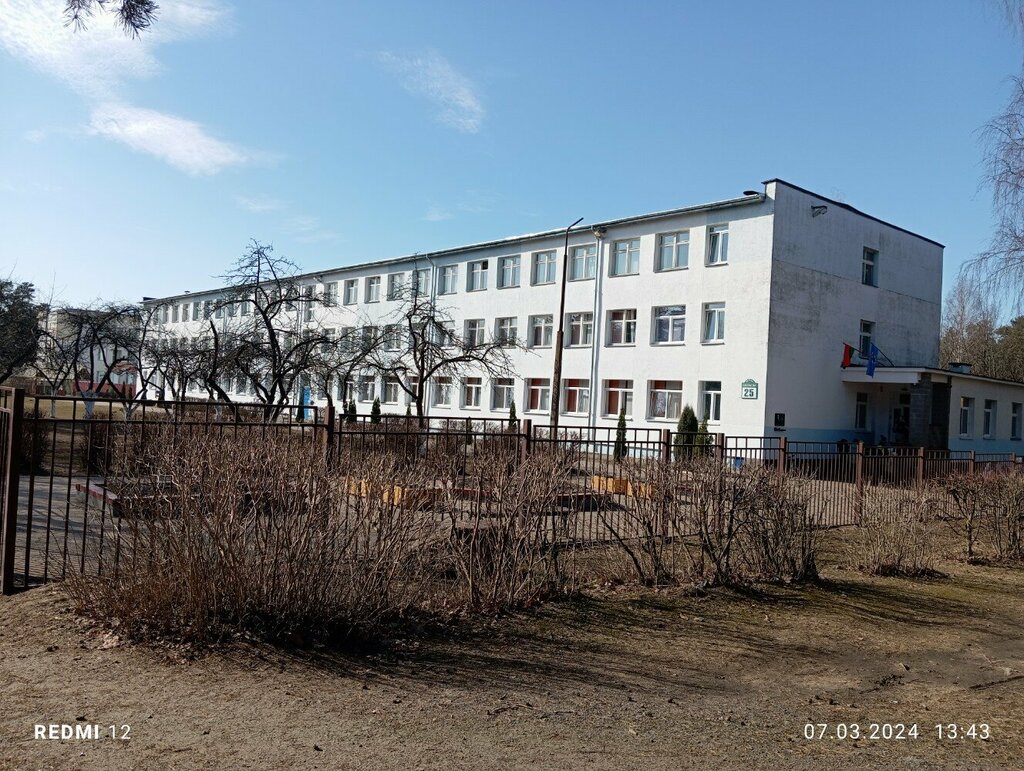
(358, 131)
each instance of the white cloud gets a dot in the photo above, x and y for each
(432, 76)
(98, 61)
(258, 205)
(182, 143)
(437, 214)
(307, 230)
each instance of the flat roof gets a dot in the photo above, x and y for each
(857, 375)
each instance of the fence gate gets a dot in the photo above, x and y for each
(12, 402)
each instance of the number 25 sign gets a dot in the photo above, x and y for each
(748, 389)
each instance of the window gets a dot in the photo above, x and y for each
(477, 276)
(508, 272)
(174, 313)
(449, 275)
(505, 330)
(669, 324)
(860, 414)
(718, 244)
(421, 281)
(538, 393)
(577, 396)
(396, 283)
(351, 291)
(626, 258)
(246, 307)
(622, 327)
(988, 420)
(472, 387)
(1015, 416)
(307, 304)
(392, 337)
(330, 295)
(373, 289)
(666, 399)
(673, 250)
(581, 328)
(618, 396)
(443, 392)
(583, 262)
(391, 390)
(207, 309)
(869, 268)
(544, 268)
(367, 387)
(475, 331)
(867, 331)
(197, 310)
(714, 323)
(445, 331)
(966, 416)
(501, 393)
(711, 400)
(541, 331)
(218, 312)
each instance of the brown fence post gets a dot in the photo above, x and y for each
(666, 444)
(782, 456)
(329, 431)
(858, 471)
(525, 439)
(9, 525)
(719, 447)
(972, 463)
(920, 465)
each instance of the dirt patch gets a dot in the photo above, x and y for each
(616, 679)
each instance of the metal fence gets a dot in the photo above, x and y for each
(61, 513)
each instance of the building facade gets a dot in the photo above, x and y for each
(740, 308)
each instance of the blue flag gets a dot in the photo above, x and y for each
(872, 360)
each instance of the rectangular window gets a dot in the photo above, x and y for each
(472, 388)
(666, 399)
(714, 323)
(966, 417)
(988, 425)
(367, 387)
(626, 258)
(711, 400)
(307, 303)
(197, 310)
(477, 279)
(869, 268)
(445, 331)
(860, 415)
(174, 313)
(508, 272)
(622, 327)
(392, 388)
(207, 309)
(583, 262)
(673, 251)
(669, 324)
(718, 244)
(501, 393)
(392, 337)
(545, 265)
(396, 283)
(618, 396)
(1016, 409)
(505, 330)
(867, 332)
(330, 295)
(581, 328)
(449, 275)
(538, 394)
(351, 291)
(443, 392)
(246, 307)
(421, 281)
(373, 289)
(475, 333)
(577, 396)
(541, 331)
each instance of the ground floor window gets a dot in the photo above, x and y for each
(618, 396)
(538, 392)
(966, 416)
(860, 414)
(367, 388)
(711, 400)
(988, 429)
(501, 393)
(471, 390)
(391, 390)
(666, 399)
(443, 392)
(577, 396)
(1015, 419)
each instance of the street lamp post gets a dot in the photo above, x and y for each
(556, 375)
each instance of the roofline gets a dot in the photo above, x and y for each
(728, 203)
(847, 206)
(953, 373)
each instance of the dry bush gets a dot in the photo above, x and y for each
(1003, 507)
(894, 538)
(504, 545)
(256, 536)
(966, 494)
(34, 445)
(778, 543)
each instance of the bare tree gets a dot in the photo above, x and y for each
(420, 343)
(19, 327)
(969, 323)
(134, 16)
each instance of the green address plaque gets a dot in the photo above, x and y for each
(748, 389)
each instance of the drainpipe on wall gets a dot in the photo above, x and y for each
(598, 333)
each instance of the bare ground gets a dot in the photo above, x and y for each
(616, 679)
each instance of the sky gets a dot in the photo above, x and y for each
(345, 132)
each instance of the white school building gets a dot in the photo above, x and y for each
(740, 308)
